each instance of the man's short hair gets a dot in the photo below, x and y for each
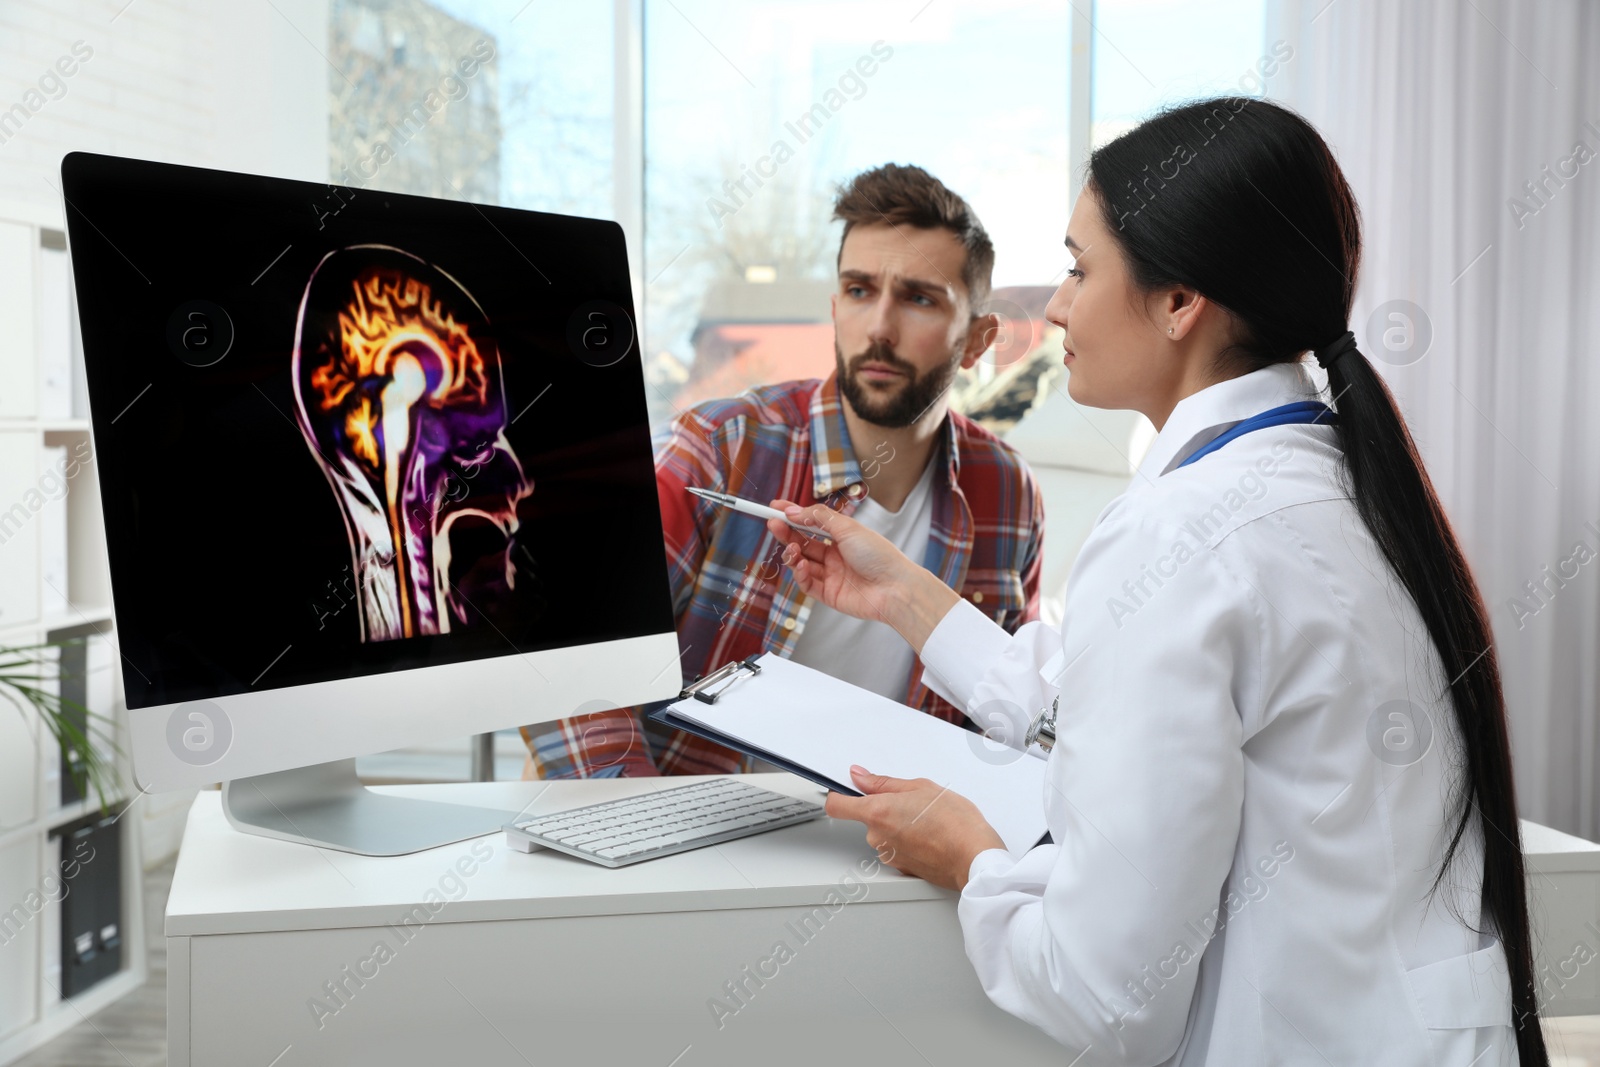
(909, 196)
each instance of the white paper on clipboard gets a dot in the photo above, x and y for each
(824, 724)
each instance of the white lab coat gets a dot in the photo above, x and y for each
(1251, 784)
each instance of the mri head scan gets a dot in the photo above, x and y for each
(401, 400)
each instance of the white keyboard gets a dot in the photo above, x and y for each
(630, 829)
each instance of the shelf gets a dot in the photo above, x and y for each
(12, 834)
(56, 551)
(78, 809)
(50, 424)
(88, 615)
(60, 552)
(45, 213)
(78, 615)
(61, 1016)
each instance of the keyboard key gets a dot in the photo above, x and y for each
(603, 844)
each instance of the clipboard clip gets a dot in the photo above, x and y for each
(719, 681)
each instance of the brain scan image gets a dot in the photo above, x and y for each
(401, 401)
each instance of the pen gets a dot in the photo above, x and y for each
(760, 511)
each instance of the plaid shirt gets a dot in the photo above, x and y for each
(731, 595)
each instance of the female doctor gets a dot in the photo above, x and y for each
(1280, 791)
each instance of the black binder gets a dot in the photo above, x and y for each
(90, 869)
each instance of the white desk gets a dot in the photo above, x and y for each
(545, 959)
(1564, 911)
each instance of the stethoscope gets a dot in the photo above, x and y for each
(1042, 731)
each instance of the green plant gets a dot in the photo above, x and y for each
(83, 736)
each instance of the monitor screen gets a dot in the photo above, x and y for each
(343, 431)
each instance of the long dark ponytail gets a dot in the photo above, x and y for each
(1242, 200)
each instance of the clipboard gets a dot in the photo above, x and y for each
(708, 690)
(814, 725)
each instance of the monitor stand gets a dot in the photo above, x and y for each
(326, 805)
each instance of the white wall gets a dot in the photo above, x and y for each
(217, 83)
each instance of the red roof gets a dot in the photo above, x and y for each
(749, 354)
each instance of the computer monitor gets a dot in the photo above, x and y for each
(376, 469)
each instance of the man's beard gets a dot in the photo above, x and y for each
(905, 406)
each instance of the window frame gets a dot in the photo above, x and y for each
(628, 106)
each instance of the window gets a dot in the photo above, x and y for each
(529, 128)
(756, 109)
(1148, 53)
(753, 112)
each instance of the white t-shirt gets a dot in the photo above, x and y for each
(860, 651)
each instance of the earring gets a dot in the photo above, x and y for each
(1169, 329)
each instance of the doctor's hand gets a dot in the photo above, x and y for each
(917, 826)
(861, 573)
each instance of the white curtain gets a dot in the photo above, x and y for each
(1441, 112)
